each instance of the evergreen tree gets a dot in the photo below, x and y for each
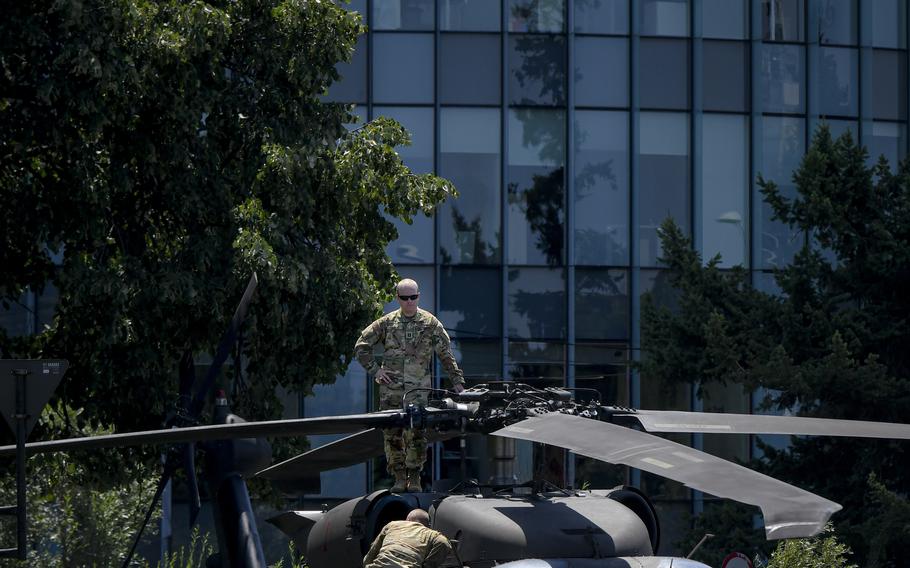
(834, 342)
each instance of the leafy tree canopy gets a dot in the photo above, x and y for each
(823, 551)
(834, 342)
(167, 149)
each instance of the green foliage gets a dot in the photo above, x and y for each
(78, 514)
(822, 551)
(296, 562)
(169, 149)
(835, 342)
(731, 524)
(192, 556)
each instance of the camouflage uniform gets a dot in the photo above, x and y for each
(406, 544)
(409, 343)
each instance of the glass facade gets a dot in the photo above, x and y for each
(572, 129)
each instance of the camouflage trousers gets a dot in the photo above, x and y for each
(405, 448)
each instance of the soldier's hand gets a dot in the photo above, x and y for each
(382, 377)
(458, 388)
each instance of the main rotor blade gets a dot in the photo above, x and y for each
(721, 423)
(789, 511)
(345, 452)
(271, 428)
(351, 450)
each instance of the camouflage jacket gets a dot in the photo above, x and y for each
(409, 345)
(405, 544)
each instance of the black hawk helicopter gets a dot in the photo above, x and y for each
(503, 524)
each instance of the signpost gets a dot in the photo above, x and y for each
(25, 387)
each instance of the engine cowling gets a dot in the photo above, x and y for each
(342, 536)
(586, 525)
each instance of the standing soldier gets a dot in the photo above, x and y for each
(409, 336)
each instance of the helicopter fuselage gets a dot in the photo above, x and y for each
(490, 527)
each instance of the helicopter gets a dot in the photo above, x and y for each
(502, 523)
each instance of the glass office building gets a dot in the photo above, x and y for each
(571, 129)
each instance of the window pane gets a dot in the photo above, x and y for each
(351, 87)
(537, 303)
(538, 363)
(481, 361)
(601, 71)
(664, 74)
(359, 6)
(601, 304)
(889, 23)
(837, 22)
(840, 127)
(725, 85)
(345, 396)
(664, 179)
(404, 14)
(838, 74)
(889, 85)
(665, 17)
(469, 226)
(603, 367)
(425, 277)
(783, 145)
(724, 191)
(536, 15)
(419, 123)
(403, 68)
(657, 284)
(414, 244)
(537, 70)
(602, 16)
(470, 69)
(470, 305)
(537, 142)
(782, 78)
(782, 20)
(470, 15)
(889, 139)
(725, 19)
(601, 188)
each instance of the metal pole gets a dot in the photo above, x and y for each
(21, 527)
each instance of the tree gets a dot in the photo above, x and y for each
(817, 552)
(81, 512)
(833, 343)
(168, 149)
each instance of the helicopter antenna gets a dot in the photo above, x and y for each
(701, 542)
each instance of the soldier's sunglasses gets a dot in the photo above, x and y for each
(412, 297)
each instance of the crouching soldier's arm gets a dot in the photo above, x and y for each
(441, 554)
(374, 549)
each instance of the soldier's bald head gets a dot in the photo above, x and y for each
(408, 294)
(407, 285)
(419, 516)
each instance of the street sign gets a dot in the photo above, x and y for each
(41, 379)
(736, 560)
